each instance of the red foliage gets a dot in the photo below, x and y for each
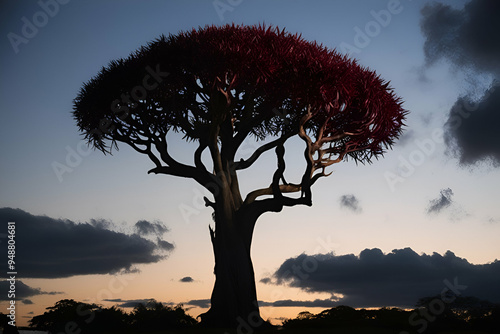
(249, 75)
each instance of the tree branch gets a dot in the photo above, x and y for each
(243, 164)
(283, 188)
(176, 168)
(278, 174)
(197, 156)
(308, 155)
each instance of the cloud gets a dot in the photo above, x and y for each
(129, 303)
(399, 278)
(442, 202)
(265, 280)
(186, 279)
(55, 248)
(165, 245)
(202, 303)
(350, 202)
(494, 220)
(101, 224)
(205, 303)
(327, 303)
(143, 227)
(27, 301)
(22, 291)
(471, 130)
(465, 37)
(468, 39)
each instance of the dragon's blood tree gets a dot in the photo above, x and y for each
(219, 85)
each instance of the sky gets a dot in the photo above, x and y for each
(98, 228)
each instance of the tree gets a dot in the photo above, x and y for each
(218, 86)
(154, 316)
(5, 326)
(67, 315)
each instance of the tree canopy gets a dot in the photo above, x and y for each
(219, 85)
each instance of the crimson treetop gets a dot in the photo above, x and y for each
(219, 85)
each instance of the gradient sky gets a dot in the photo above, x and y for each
(446, 199)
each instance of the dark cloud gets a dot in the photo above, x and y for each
(54, 248)
(129, 303)
(443, 201)
(22, 290)
(465, 37)
(471, 130)
(101, 224)
(399, 278)
(326, 303)
(165, 245)
(468, 39)
(186, 279)
(144, 227)
(350, 202)
(265, 280)
(27, 301)
(203, 303)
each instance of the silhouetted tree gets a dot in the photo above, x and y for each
(462, 312)
(346, 317)
(4, 324)
(155, 316)
(109, 320)
(218, 86)
(69, 316)
(66, 315)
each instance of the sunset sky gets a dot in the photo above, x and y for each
(99, 229)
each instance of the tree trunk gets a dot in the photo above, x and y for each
(234, 297)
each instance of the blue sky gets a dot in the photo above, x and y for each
(388, 205)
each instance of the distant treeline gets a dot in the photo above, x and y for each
(432, 315)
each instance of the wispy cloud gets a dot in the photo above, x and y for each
(144, 227)
(186, 279)
(443, 201)
(302, 303)
(131, 303)
(351, 203)
(203, 303)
